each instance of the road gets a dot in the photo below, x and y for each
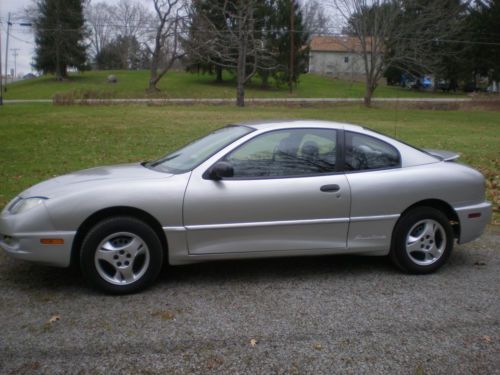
(321, 315)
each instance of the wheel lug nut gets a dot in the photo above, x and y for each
(128, 255)
(127, 263)
(115, 257)
(119, 264)
(122, 252)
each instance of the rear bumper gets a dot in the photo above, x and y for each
(473, 220)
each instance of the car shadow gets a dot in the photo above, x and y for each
(276, 269)
(24, 276)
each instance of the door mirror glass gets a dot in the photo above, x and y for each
(220, 170)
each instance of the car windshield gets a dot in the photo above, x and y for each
(193, 154)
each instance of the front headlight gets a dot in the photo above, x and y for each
(24, 204)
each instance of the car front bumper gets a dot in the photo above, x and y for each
(22, 238)
(473, 220)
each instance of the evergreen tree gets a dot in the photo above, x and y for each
(279, 40)
(201, 11)
(483, 56)
(59, 36)
(123, 52)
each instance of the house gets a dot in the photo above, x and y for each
(337, 56)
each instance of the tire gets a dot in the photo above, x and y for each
(422, 241)
(121, 255)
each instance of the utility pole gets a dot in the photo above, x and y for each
(1, 78)
(15, 54)
(7, 50)
(292, 42)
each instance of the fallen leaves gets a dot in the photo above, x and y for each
(164, 315)
(49, 323)
(317, 346)
(53, 319)
(487, 339)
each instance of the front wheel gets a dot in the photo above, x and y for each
(422, 241)
(121, 255)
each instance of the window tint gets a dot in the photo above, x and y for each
(284, 153)
(363, 152)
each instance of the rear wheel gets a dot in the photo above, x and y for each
(121, 255)
(422, 241)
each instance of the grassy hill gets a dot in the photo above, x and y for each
(132, 84)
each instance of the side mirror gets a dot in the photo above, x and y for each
(220, 170)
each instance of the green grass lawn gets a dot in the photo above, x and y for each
(40, 141)
(132, 84)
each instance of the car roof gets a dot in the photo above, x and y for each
(280, 124)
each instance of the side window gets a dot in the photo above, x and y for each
(283, 153)
(363, 152)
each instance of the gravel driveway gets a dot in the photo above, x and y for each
(327, 315)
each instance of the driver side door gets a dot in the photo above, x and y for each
(286, 195)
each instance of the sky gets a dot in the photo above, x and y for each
(21, 37)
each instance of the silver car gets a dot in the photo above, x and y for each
(267, 189)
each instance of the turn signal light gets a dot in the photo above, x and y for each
(52, 241)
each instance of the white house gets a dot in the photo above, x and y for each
(337, 56)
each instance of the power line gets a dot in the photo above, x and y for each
(271, 31)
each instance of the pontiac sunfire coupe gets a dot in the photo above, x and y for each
(268, 189)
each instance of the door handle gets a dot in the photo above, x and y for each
(330, 188)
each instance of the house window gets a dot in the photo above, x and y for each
(346, 59)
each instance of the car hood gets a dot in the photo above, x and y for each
(93, 177)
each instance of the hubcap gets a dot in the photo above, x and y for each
(122, 258)
(426, 242)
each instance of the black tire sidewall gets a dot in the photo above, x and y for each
(398, 250)
(114, 225)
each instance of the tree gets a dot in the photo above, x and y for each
(59, 36)
(133, 22)
(238, 45)
(315, 18)
(483, 29)
(122, 53)
(166, 50)
(291, 59)
(99, 18)
(406, 34)
(199, 11)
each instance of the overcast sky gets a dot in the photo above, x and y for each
(21, 37)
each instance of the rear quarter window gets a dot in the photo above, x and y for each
(363, 152)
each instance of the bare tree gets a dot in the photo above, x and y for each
(165, 49)
(131, 19)
(316, 21)
(99, 18)
(238, 45)
(397, 33)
